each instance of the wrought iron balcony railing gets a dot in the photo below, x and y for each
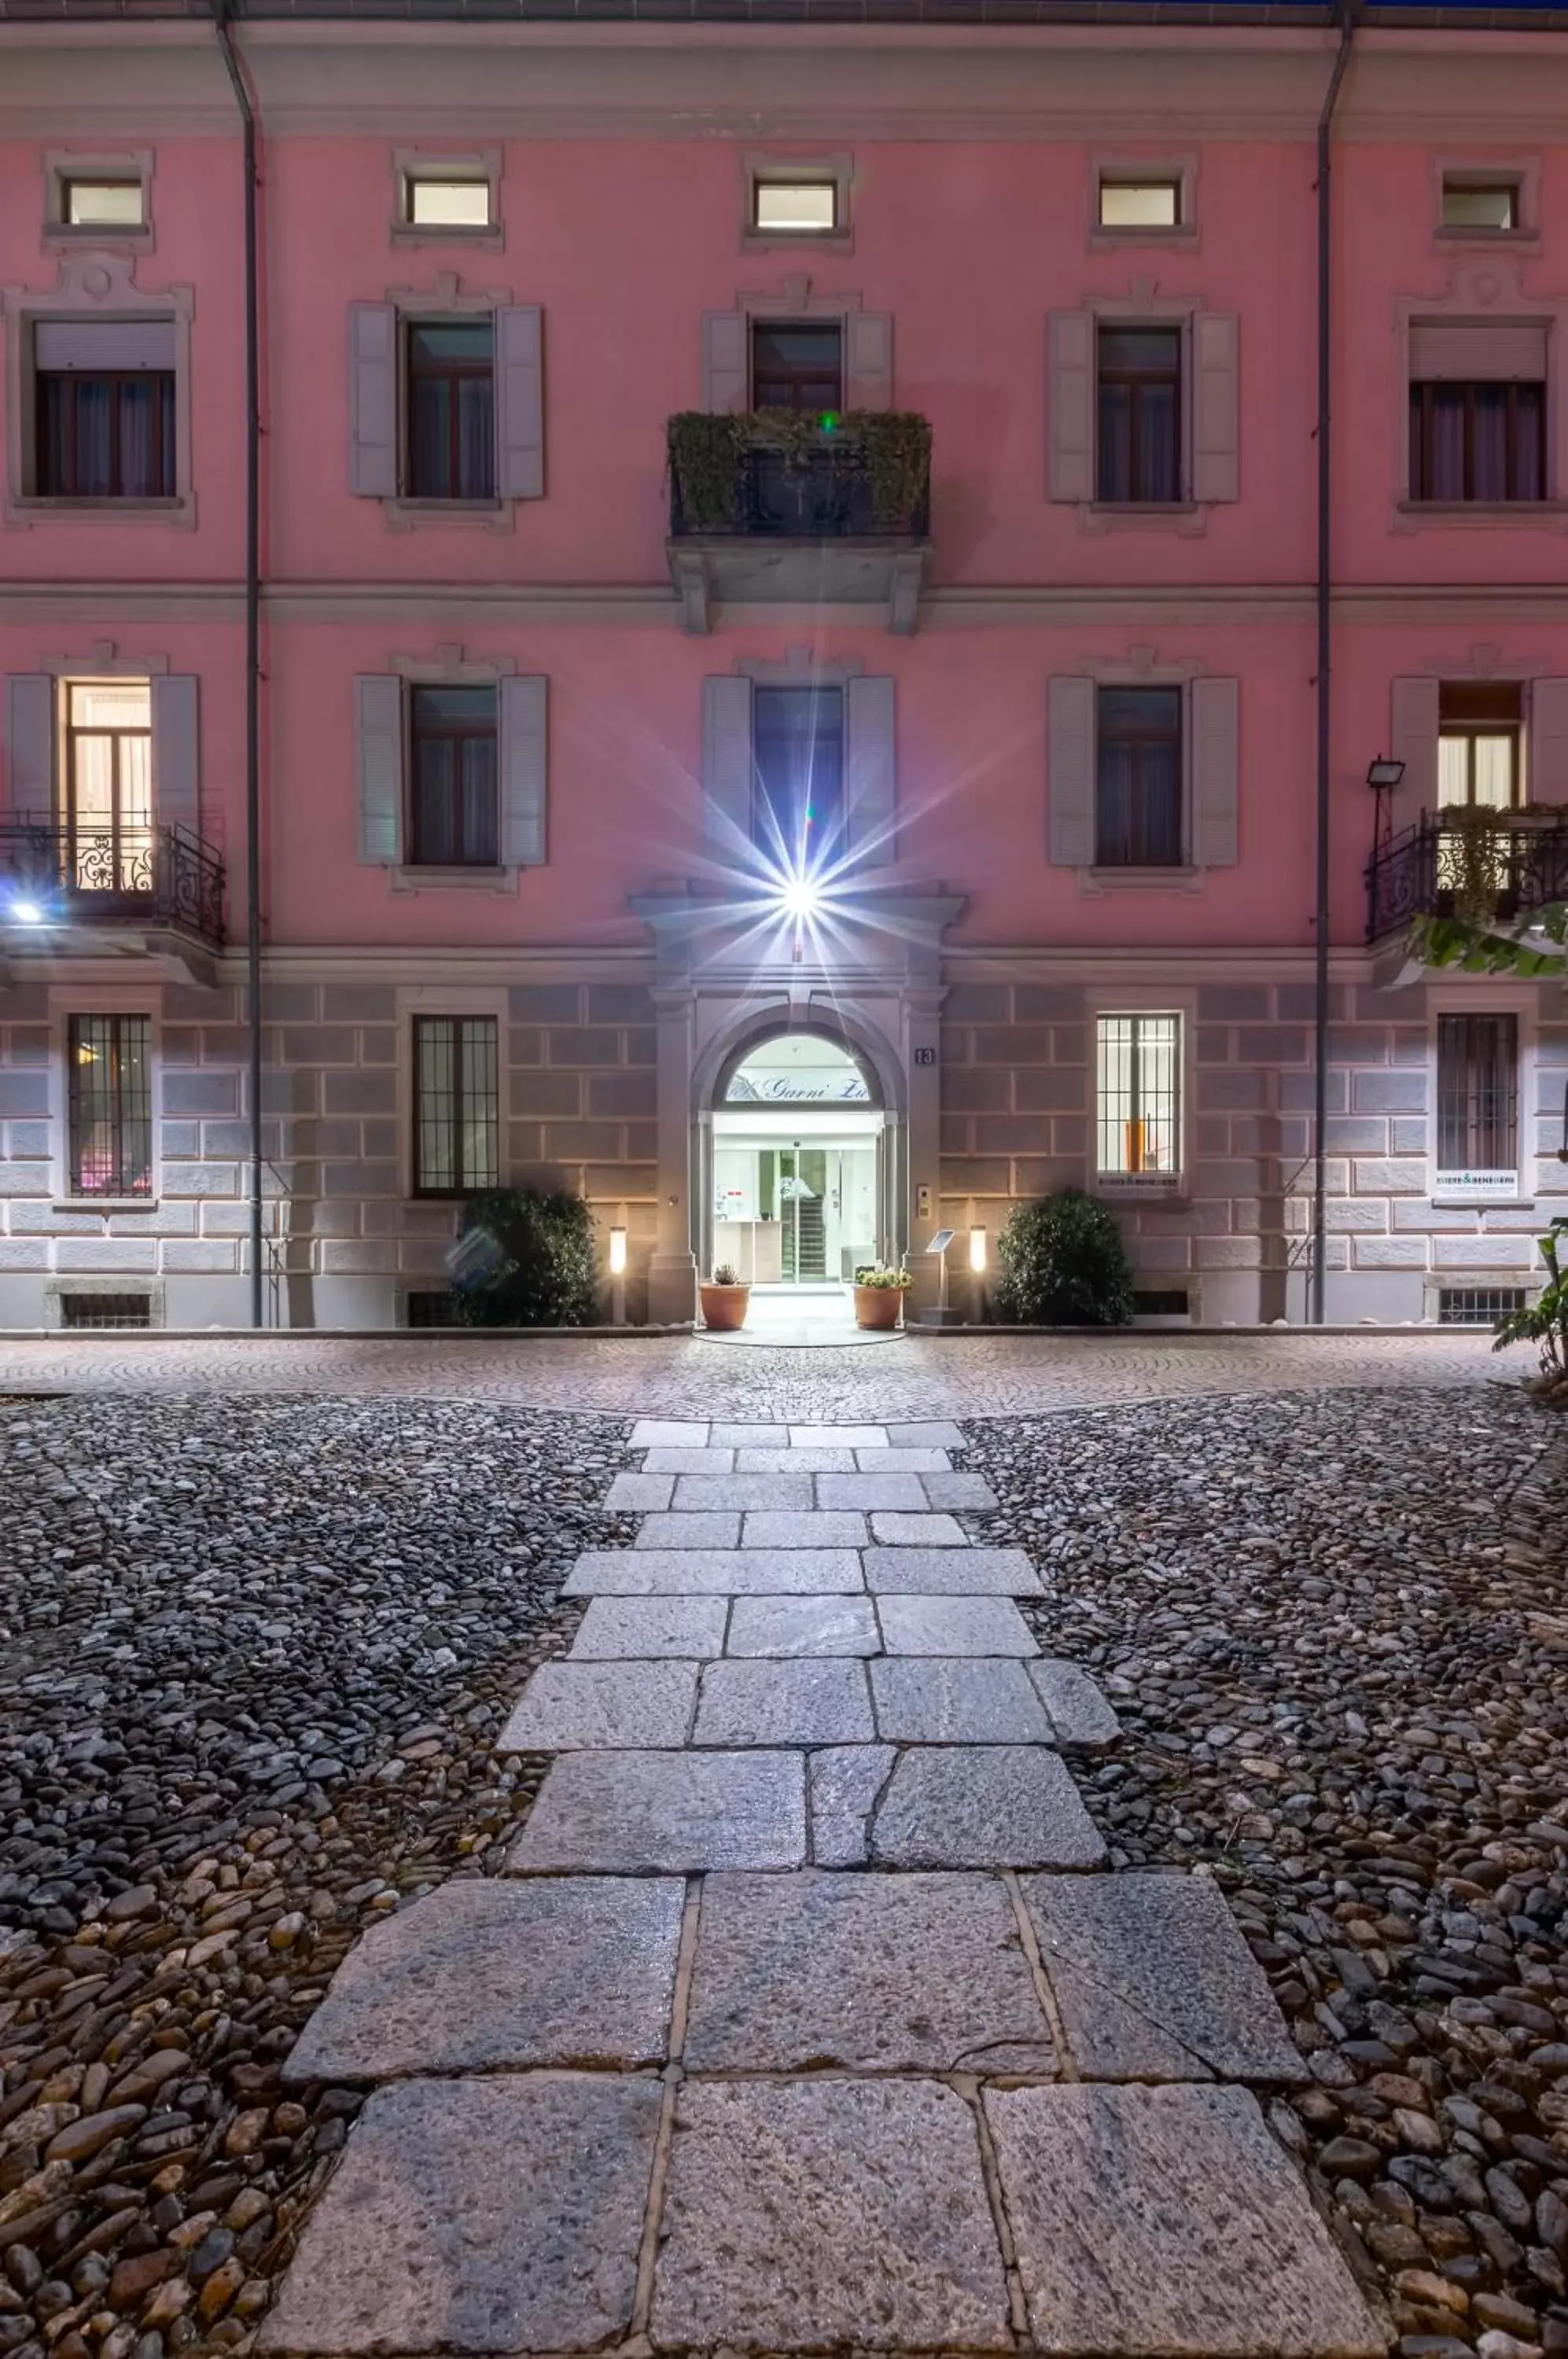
(53, 874)
(854, 482)
(1442, 867)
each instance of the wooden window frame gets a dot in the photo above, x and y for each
(165, 435)
(1422, 399)
(1129, 177)
(830, 843)
(1135, 379)
(457, 734)
(1176, 737)
(409, 324)
(823, 326)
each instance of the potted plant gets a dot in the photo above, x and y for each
(879, 1295)
(725, 1299)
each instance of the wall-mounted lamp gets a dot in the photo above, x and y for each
(977, 1252)
(617, 1252)
(1384, 774)
(618, 1274)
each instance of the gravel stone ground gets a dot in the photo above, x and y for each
(1335, 1628)
(253, 1655)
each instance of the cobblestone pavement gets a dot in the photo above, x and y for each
(688, 1376)
(800, 2021)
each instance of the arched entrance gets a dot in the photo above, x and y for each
(801, 1169)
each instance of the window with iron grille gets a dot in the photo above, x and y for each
(106, 1311)
(1139, 441)
(457, 1105)
(1478, 1306)
(454, 815)
(1478, 442)
(1138, 778)
(109, 1105)
(1138, 1098)
(432, 1306)
(798, 775)
(451, 409)
(1477, 1093)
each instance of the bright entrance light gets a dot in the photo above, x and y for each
(977, 1251)
(798, 898)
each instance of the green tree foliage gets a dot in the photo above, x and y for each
(1545, 1321)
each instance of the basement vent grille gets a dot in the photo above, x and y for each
(1478, 1306)
(1160, 1302)
(82, 1310)
(432, 1306)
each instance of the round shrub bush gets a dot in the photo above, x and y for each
(1063, 1264)
(524, 1259)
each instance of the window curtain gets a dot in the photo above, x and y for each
(457, 804)
(1139, 820)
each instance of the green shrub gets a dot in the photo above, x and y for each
(1063, 1264)
(524, 1259)
(1544, 1320)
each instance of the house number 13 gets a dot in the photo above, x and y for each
(925, 1056)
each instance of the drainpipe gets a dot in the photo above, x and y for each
(1326, 485)
(222, 10)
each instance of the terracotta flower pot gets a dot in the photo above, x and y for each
(723, 1307)
(877, 1305)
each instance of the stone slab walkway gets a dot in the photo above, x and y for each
(802, 2021)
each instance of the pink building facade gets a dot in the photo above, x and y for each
(796, 845)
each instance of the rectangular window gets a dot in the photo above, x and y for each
(1138, 778)
(1478, 745)
(1139, 447)
(1138, 1099)
(451, 409)
(798, 789)
(437, 201)
(105, 392)
(109, 1105)
(454, 817)
(101, 202)
(1474, 204)
(457, 1105)
(797, 365)
(1141, 204)
(798, 208)
(1478, 440)
(1477, 1097)
(107, 775)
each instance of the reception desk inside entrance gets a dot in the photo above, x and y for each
(753, 1249)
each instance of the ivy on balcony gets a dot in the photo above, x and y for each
(858, 472)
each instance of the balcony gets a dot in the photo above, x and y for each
(63, 886)
(1488, 871)
(777, 508)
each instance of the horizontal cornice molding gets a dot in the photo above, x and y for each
(490, 82)
(438, 605)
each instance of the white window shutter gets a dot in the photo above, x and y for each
(1546, 778)
(176, 752)
(520, 402)
(26, 770)
(727, 764)
(1216, 773)
(726, 371)
(379, 733)
(1070, 783)
(373, 400)
(871, 792)
(1070, 405)
(1412, 740)
(868, 360)
(1216, 444)
(525, 767)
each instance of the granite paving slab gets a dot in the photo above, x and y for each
(792, 1528)
(690, 1529)
(953, 1626)
(483, 1973)
(818, 1702)
(870, 1491)
(803, 1625)
(637, 1628)
(980, 1806)
(484, 2215)
(961, 1491)
(1168, 2221)
(775, 1460)
(665, 1813)
(932, 1433)
(902, 1458)
(890, 1528)
(873, 1972)
(941, 1699)
(1155, 1982)
(952, 1572)
(668, 1461)
(712, 1572)
(839, 1437)
(637, 1495)
(749, 1433)
(567, 1706)
(669, 1432)
(707, 1492)
(807, 2215)
(843, 1784)
(1079, 1711)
